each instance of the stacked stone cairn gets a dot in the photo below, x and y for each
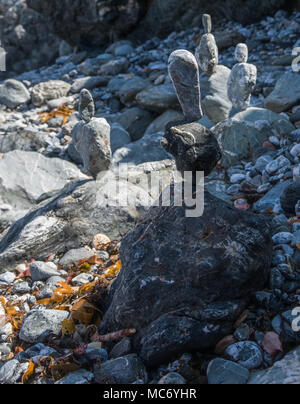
(207, 53)
(242, 79)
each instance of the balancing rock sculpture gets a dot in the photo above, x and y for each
(91, 137)
(193, 146)
(242, 79)
(207, 52)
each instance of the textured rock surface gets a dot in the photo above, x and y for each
(183, 276)
(284, 372)
(158, 98)
(184, 73)
(193, 146)
(72, 220)
(86, 106)
(221, 371)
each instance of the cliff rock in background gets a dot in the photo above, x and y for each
(95, 22)
(25, 37)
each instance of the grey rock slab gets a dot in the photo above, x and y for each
(272, 198)
(286, 93)
(221, 371)
(40, 324)
(158, 98)
(9, 371)
(73, 256)
(184, 73)
(13, 93)
(147, 149)
(283, 372)
(49, 90)
(135, 120)
(215, 102)
(89, 83)
(29, 178)
(159, 124)
(81, 376)
(125, 370)
(41, 271)
(131, 88)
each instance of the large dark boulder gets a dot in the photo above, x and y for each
(94, 22)
(184, 281)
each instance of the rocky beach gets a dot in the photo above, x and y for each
(101, 280)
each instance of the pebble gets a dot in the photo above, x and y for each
(221, 371)
(172, 378)
(247, 354)
(41, 271)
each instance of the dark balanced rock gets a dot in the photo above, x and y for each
(289, 198)
(193, 146)
(190, 277)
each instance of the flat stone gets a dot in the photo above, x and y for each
(81, 376)
(221, 371)
(13, 93)
(286, 93)
(247, 354)
(158, 98)
(125, 370)
(49, 90)
(73, 257)
(39, 324)
(41, 271)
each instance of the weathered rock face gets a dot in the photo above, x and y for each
(285, 94)
(50, 90)
(85, 22)
(187, 275)
(13, 93)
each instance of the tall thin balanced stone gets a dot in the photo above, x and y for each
(193, 146)
(207, 52)
(184, 73)
(242, 79)
(86, 106)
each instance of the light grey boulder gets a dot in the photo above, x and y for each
(241, 136)
(124, 370)
(215, 102)
(7, 277)
(283, 372)
(73, 256)
(29, 178)
(41, 271)
(13, 93)
(40, 324)
(242, 80)
(49, 90)
(221, 371)
(10, 372)
(207, 52)
(89, 83)
(286, 93)
(184, 73)
(158, 98)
